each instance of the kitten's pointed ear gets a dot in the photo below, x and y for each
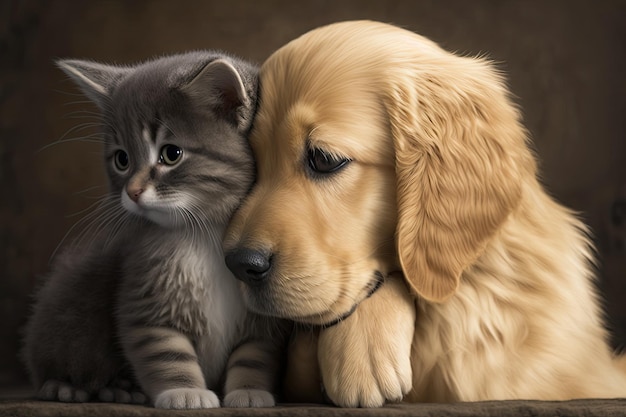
(219, 86)
(94, 79)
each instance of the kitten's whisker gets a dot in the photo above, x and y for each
(99, 215)
(81, 126)
(117, 227)
(104, 221)
(179, 213)
(95, 138)
(69, 93)
(190, 223)
(81, 112)
(205, 225)
(90, 189)
(96, 228)
(194, 220)
(103, 204)
(196, 224)
(106, 207)
(87, 209)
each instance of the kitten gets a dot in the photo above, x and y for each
(150, 288)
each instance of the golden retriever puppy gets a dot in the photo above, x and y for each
(377, 151)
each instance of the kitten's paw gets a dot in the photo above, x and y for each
(53, 390)
(187, 398)
(249, 398)
(118, 395)
(137, 397)
(122, 391)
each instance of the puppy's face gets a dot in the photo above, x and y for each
(366, 134)
(316, 235)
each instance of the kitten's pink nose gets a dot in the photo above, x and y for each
(134, 193)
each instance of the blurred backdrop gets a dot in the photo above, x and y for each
(565, 61)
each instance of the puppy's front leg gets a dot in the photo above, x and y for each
(365, 360)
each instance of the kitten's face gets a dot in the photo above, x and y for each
(174, 140)
(169, 160)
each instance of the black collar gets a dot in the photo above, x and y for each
(373, 285)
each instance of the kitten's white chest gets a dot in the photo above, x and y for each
(203, 293)
(222, 311)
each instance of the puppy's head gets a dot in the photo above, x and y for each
(376, 151)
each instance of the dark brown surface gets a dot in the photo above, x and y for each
(587, 408)
(565, 60)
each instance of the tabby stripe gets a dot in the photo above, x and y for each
(135, 322)
(254, 364)
(217, 180)
(149, 340)
(252, 348)
(216, 156)
(171, 356)
(173, 380)
(153, 128)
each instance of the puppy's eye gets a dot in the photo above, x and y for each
(324, 163)
(170, 154)
(121, 161)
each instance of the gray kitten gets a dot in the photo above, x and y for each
(150, 287)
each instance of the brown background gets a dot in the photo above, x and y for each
(566, 62)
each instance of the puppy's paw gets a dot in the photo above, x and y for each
(53, 390)
(249, 398)
(365, 360)
(369, 376)
(187, 398)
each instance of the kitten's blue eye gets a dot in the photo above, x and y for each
(170, 154)
(121, 160)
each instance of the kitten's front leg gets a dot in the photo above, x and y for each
(253, 367)
(167, 367)
(365, 359)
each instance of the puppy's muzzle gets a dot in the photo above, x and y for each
(249, 265)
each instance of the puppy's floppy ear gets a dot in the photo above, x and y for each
(459, 151)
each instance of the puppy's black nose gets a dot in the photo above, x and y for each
(249, 265)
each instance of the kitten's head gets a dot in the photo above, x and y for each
(174, 129)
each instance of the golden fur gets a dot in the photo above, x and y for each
(441, 186)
